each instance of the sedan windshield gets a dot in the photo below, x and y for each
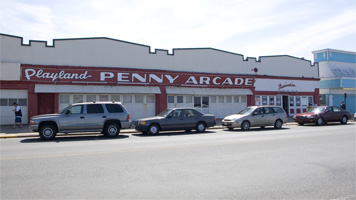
(165, 113)
(247, 110)
(317, 109)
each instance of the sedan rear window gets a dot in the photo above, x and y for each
(277, 110)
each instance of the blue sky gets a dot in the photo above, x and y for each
(252, 28)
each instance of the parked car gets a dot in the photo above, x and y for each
(256, 116)
(175, 119)
(105, 117)
(322, 115)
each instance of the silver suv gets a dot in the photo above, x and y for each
(105, 117)
(256, 116)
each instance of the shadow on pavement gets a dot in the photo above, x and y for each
(73, 138)
(256, 129)
(172, 133)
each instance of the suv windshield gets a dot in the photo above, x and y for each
(247, 110)
(64, 109)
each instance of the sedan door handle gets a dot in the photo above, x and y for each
(82, 117)
(104, 116)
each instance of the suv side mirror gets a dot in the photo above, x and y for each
(68, 112)
(255, 113)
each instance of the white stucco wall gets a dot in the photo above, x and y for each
(106, 52)
(10, 71)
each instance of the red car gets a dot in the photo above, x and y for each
(322, 115)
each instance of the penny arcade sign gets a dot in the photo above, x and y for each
(51, 74)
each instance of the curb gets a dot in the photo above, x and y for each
(28, 135)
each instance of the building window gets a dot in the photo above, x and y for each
(264, 100)
(297, 99)
(138, 98)
(127, 99)
(170, 99)
(64, 98)
(228, 99)
(271, 100)
(12, 101)
(4, 102)
(179, 99)
(243, 99)
(205, 102)
(188, 99)
(115, 97)
(257, 100)
(279, 100)
(91, 98)
(103, 97)
(22, 102)
(221, 99)
(150, 99)
(236, 99)
(213, 99)
(77, 98)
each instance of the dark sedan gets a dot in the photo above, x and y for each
(175, 119)
(322, 115)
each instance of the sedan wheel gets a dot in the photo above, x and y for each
(278, 124)
(245, 125)
(153, 129)
(200, 127)
(320, 122)
(344, 120)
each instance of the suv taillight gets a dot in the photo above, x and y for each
(128, 118)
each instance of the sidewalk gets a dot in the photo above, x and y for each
(6, 131)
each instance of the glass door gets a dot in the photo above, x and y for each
(201, 103)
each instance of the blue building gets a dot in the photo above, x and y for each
(337, 71)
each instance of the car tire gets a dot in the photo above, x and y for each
(200, 128)
(112, 130)
(278, 124)
(48, 132)
(300, 123)
(344, 120)
(245, 125)
(320, 121)
(153, 129)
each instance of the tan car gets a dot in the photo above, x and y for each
(256, 116)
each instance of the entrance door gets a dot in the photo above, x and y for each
(202, 104)
(286, 104)
(45, 103)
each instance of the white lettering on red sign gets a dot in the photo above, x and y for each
(54, 76)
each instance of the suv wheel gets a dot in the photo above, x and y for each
(112, 130)
(48, 132)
